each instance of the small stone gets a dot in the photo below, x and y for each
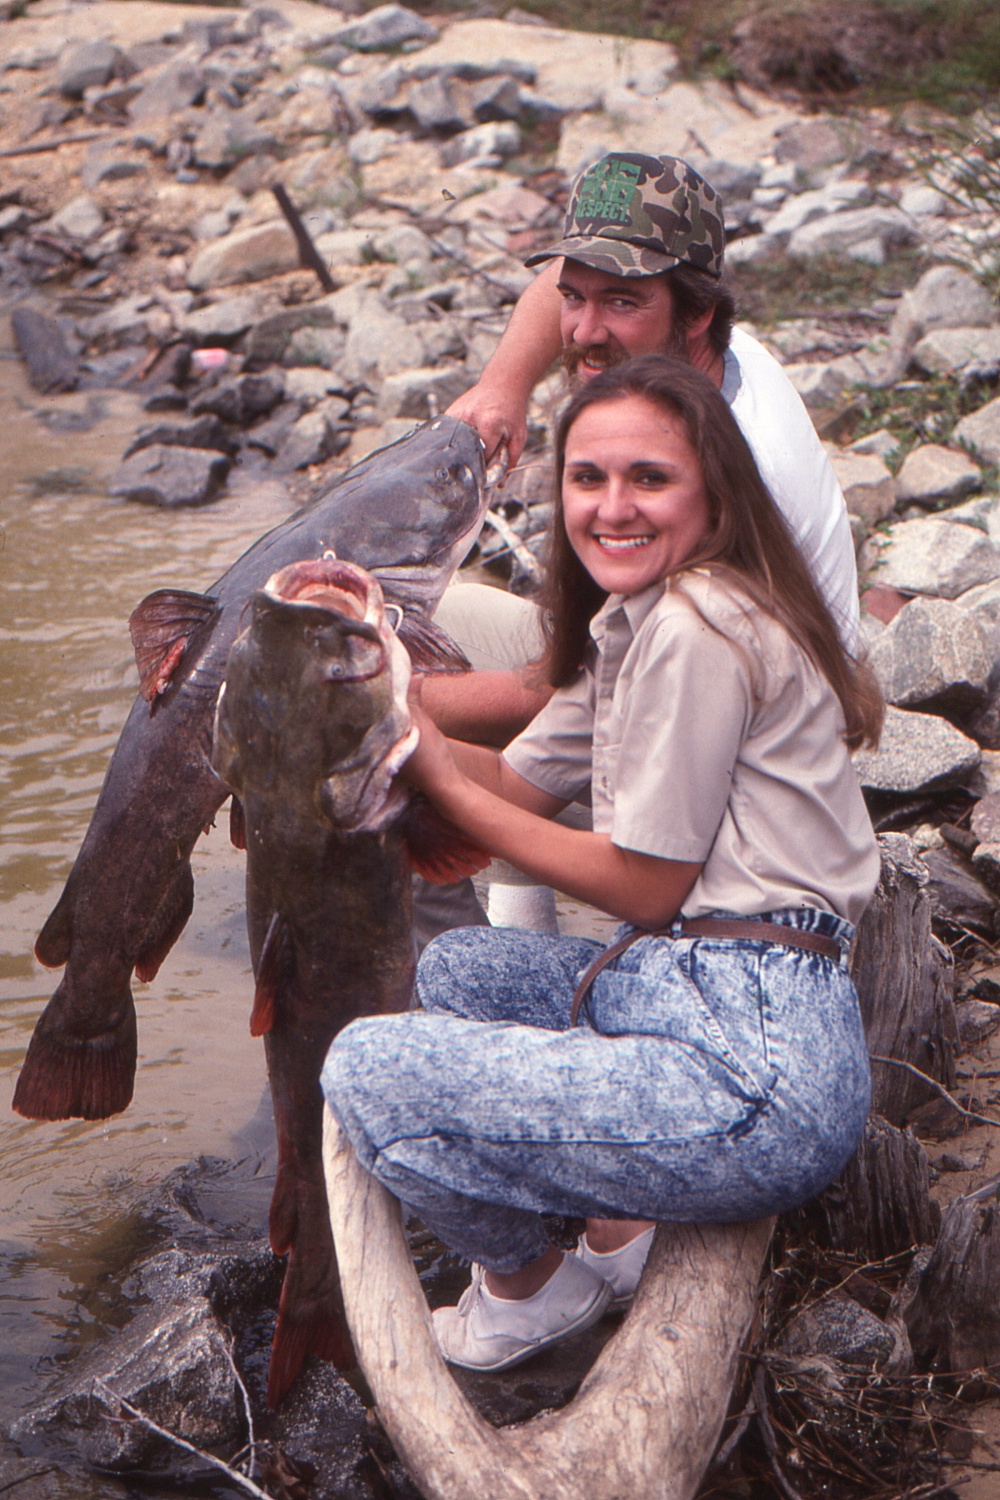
(969, 353)
(311, 439)
(882, 443)
(170, 476)
(944, 297)
(220, 322)
(819, 384)
(810, 143)
(985, 820)
(439, 104)
(204, 432)
(370, 145)
(958, 896)
(977, 1019)
(174, 88)
(840, 1328)
(490, 143)
(931, 473)
(241, 399)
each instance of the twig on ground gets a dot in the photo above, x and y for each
(37, 147)
(770, 1441)
(527, 559)
(734, 1439)
(968, 1114)
(171, 1437)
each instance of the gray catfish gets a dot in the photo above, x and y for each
(311, 727)
(406, 514)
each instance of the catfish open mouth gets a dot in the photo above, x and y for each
(329, 583)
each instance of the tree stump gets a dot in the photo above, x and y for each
(905, 984)
(881, 1204)
(954, 1319)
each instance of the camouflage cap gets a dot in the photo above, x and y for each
(635, 215)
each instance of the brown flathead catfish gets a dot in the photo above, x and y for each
(407, 514)
(311, 727)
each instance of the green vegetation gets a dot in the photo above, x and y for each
(919, 411)
(770, 292)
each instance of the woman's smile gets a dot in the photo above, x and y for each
(634, 499)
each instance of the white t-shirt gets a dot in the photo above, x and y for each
(797, 471)
(707, 735)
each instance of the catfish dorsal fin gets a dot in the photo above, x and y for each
(440, 852)
(161, 628)
(430, 650)
(275, 971)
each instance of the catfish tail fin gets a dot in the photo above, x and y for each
(311, 1320)
(67, 1075)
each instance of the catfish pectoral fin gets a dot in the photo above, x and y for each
(440, 852)
(168, 922)
(310, 1321)
(65, 1076)
(237, 823)
(162, 628)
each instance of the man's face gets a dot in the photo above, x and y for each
(606, 318)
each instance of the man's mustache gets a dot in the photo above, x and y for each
(597, 357)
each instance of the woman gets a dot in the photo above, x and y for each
(714, 1067)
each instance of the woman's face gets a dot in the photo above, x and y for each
(634, 498)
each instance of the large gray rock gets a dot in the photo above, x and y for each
(245, 255)
(313, 438)
(385, 27)
(83, 65)
(944, 297)
(931, 473)
(868, 486)
(241, 399)
(863, 233)
(805, 208)
(221, 322)
(918, 752)
(936, 557)
(204, 432)
(440, 103)
(981, 430)
(268, 339)
(175, 87)
(381, 345)
(933, 652)
(422, 393)
(983, 603)
(970, 353)
(170, 476)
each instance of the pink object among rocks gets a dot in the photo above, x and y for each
(204, 360)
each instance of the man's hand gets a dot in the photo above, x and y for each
(499, 422)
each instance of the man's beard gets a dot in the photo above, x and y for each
(608, 356)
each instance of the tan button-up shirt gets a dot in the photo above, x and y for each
(705, 734)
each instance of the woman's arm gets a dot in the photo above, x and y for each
(497, 404)
(507, 815)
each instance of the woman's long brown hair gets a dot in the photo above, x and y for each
(749, 538)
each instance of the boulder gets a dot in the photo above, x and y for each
(422, 393)
(863, 233)
(981, 431)
(969, 353)
(936, 557)
(918, 752)
(241, 399)
(81, 218)
(933, 652)
(983, 602)
(882, 443)
(383, 28)
(175, 87)
(868, 486)
(202, 432)
(170, 476)
(269, 337)
(245, 255)
(313, 438)
(931, 473)
(220, 322)
(83, 65)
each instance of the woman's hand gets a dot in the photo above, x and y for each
(431, 768)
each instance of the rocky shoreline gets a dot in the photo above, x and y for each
(143, 246)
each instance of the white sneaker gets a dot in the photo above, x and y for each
(486, 1332)
(622, 1268)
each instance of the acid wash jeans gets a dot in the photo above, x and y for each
(706, 1081)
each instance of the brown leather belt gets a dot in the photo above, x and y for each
(710, 927)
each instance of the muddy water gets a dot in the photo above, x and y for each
(72, 566)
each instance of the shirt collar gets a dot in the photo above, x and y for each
(626, 611)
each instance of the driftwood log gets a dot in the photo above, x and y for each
(647, 1417)
(954, 1318)
(880, 1204)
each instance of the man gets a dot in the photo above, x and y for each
(638, 271)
